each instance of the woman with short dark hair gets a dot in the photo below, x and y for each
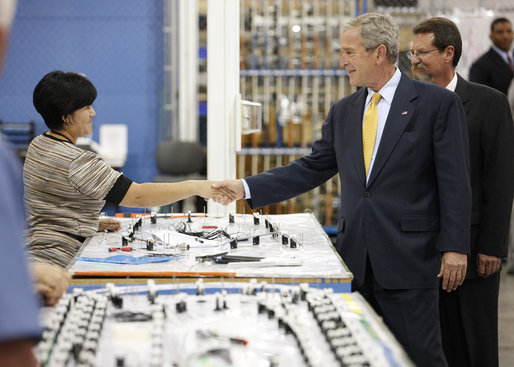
(66, 187)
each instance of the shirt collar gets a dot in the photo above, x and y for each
(388, 90)
(453, 84)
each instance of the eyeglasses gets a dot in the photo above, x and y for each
(419, 54)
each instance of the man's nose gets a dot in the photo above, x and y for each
(342, 61)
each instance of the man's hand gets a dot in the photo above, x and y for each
(487, 265)
(453, 270)
(232, 190)
(109, 224)
(207, 190)
(50, 281)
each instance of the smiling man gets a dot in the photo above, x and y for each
(400, 149)
(469, 316)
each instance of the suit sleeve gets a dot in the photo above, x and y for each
(497, 142)
(299, 176)
(451, 157)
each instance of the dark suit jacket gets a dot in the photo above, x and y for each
(491, 145)
(490, 69)
(417, 202)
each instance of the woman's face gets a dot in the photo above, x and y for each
(81, 122)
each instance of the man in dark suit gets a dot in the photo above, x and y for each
(406, 206)
(469, 316)
(495, 68)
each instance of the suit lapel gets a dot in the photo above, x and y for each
(355, 121)
(399, 116)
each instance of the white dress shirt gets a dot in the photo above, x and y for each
(453, 84)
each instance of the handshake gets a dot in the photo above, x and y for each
(223, 192)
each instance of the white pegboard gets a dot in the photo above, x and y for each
(218, 324)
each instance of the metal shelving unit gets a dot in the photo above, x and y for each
(290, 64)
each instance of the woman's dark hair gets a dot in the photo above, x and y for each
(59, 94)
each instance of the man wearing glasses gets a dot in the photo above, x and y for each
(469, 315)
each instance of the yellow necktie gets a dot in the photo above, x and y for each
(369, 130)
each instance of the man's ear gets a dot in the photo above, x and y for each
(449, 53)
(381, 53)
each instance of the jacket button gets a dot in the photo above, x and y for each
(367, 194)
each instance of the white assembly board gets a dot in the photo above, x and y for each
(289, 246)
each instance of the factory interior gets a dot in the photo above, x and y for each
(194, 90)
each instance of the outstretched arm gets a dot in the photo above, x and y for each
(157, 194)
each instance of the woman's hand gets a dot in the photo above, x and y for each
(50, 281)
(109, 224)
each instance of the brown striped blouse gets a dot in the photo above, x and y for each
(65, 190)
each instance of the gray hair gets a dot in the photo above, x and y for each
(377, 29)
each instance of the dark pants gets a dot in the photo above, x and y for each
(469, 323)
(412, 315)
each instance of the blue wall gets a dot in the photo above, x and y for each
(117, 44)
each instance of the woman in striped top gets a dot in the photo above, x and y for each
(66, 187)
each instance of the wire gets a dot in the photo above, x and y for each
(185, 228)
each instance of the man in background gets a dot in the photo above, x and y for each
(495, 68)
(469, 316)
